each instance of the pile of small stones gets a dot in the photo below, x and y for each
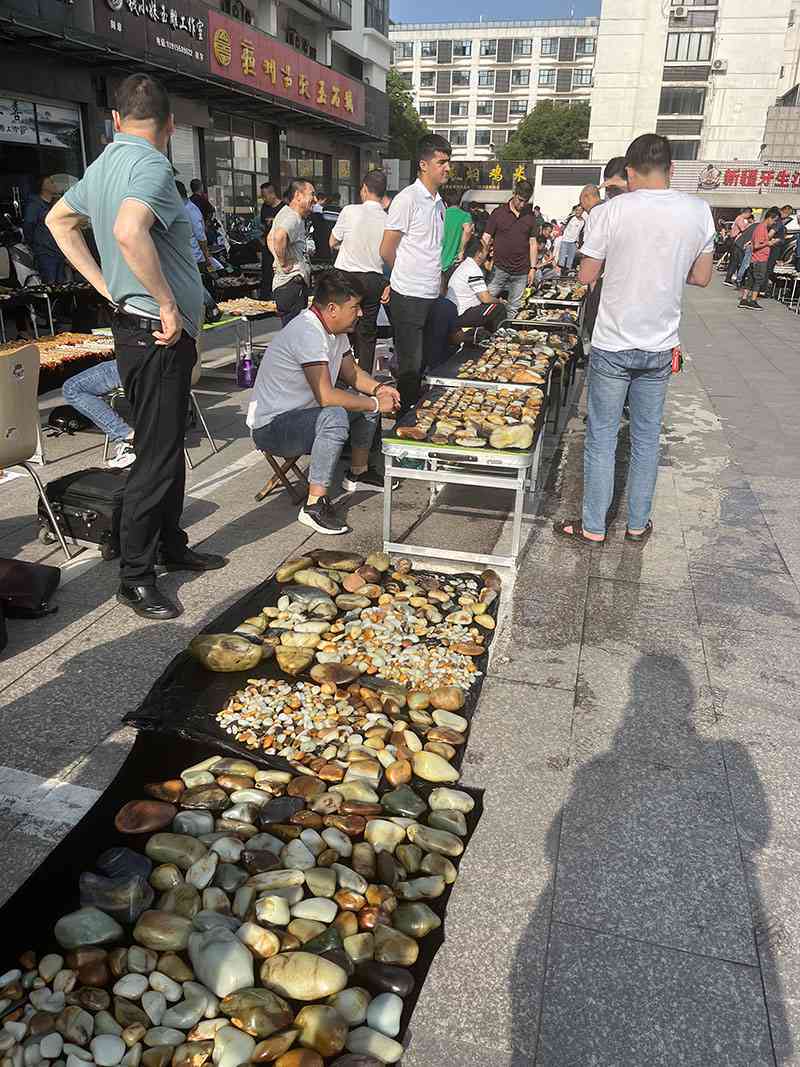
(271, 918)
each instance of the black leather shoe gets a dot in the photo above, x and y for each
(192, 561)
(147, 601)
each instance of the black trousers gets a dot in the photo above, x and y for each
(409, 315)
(157, 382)
(366, 331)
(487, 315)
(734, 262)
(291, 298)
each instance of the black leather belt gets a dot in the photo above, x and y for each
(140, 322)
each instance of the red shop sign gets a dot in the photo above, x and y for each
(243, 54)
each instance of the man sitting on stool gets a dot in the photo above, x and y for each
(87, 393)
(300, 409)
(467, 289)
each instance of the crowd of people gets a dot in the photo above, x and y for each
(751, 248)
(424, 261)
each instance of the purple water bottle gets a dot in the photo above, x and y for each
(246, 374)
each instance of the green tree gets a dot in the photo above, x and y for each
(550, 133)
(405, 125)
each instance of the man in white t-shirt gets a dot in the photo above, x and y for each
(310, 394)
(649, 243)
(358, 234)
(468, 290)
(412, 246)
(569, 240)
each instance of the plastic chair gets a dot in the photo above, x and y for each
(19, 420)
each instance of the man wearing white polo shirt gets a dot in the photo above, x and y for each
(412, 246)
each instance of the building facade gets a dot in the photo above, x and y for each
(701, 72)
(261, 90)
(474, 82)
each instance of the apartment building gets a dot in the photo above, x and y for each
(474, 82)
(701, 72)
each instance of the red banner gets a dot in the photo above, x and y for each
(243, 54)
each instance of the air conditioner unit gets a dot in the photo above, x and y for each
(719, 66)
(680, 12)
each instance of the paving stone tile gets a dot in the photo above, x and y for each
(613, 1001)
(650, 851)
(759, 665)
(730, 598)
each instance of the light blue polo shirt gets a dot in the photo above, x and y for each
(132, 169)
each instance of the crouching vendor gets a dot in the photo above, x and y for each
(310, 395)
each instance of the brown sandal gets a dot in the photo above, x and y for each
(576, 534)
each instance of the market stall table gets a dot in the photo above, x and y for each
(17, 298)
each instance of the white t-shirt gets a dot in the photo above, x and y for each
(572, 230)
(466, 284)
(419, 216)
(281, 383)
(649, 240)
(360, 229)
(296, 249)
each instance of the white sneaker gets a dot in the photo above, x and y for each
(123, 456)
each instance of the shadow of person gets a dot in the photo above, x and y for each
(651, 944)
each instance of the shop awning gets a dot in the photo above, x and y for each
(84, 48)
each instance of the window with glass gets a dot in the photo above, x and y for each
(458, 138)
(237, 162)
(523, 46)
(426, 110)
(430, 49)
(584, 46)
(406, 77)
(404, 50)
(460, 79)
(483, 138)
(459, 109)
(520, 77)
(582, 76)
(677, 100)
(547, 76)
(427, 79)
(462, 49)
(684, 149)
(484, 108)
(689, 47)
(518, 107)
(376, 15)
(549, 46)
(486, 79)
(488, 48)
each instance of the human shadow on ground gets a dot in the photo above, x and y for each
(652, 943)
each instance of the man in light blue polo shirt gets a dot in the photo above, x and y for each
(149, 273)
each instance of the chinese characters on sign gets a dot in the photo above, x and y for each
(147, 26)
(241, 53)
(755, 178)
(17, 121)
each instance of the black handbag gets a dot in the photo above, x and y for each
(26, 588)
(65, 419)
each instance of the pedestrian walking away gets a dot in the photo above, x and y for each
(649, 243)
(511, 233)
(287, 242)
(149, 273)
(357, 235)
(412, 247)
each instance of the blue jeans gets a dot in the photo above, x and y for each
(514, 284)
(566, 254)
(318, 432)
(643, 377)
(743, 266)
(85, 391)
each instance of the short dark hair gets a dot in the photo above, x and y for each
(536, 207)
(295, 186)
(649, 152)
(195, 185)
(41, 180)
(452, 196)
(429, 145)
(142, 97)
(473, 245)
(268, 185)
(546, 226)
(772, 212)
(337, 287)
(375, 182)
(181, 190)
(615, 168)
(524, 189)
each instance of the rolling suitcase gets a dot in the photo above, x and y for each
(88, 506)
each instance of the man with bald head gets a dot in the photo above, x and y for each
(589, 198)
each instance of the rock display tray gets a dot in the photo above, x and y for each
(185, 699)
(52, 890)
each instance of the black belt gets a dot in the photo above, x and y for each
(140, 322)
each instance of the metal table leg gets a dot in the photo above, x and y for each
(2, 327)
(388, 480)
(519, 504)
